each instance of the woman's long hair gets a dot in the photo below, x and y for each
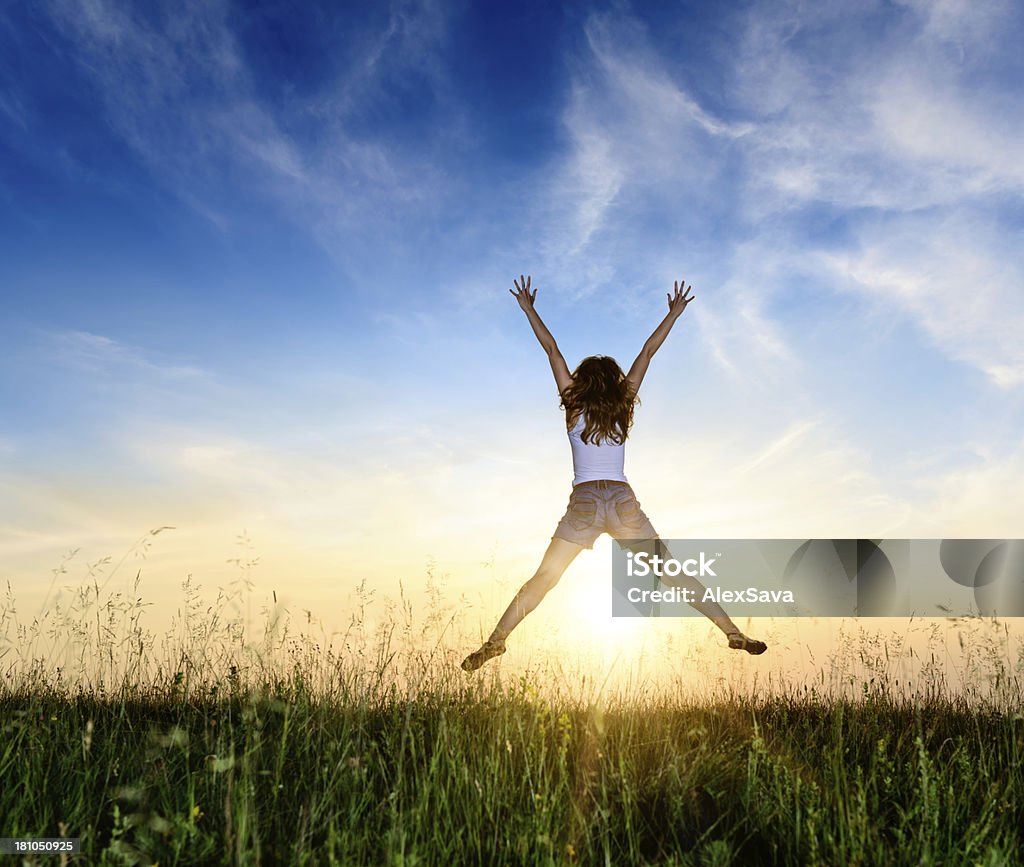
(600, 391)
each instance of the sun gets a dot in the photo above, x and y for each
(584, 598)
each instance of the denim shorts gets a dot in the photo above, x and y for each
(603, 507)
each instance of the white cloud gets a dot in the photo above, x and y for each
(177, 90)
(635, 135)
(982, 499)
(181, 95)
(746, 338)
(948, 135)
(891, 122)
(895, 136)
(804, 480)
(595, 178)
(779, 447)
(11, 104)
(96, 353)
(967, 24)
(636, 77)
(959, 277)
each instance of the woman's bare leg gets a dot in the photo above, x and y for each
(556, 560)
(711, 610)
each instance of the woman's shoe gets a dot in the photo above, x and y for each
(738, 641)
(488, 650)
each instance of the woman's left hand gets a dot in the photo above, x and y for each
(677, 303)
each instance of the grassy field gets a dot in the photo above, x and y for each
(286, 750)
(471, 776)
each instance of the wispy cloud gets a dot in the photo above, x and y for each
(903, 146)
(808, 479)
(780, 446)
(636, 139)
(97, 353)
(965, 25)
(893, 122)
(958, 276)
(979, 498)
(963, 147)
(12, 106)
(178, 90)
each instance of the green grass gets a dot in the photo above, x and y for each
(485, 775)
(375, 749)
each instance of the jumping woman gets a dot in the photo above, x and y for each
(598, 399)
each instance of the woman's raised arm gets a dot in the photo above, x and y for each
(676, 305)
(563, 379)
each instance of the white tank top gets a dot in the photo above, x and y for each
(592, 462)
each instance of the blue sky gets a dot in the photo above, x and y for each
(255, 265)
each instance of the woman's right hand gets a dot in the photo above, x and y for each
(522, 293)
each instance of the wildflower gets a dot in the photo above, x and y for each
(197, 813)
